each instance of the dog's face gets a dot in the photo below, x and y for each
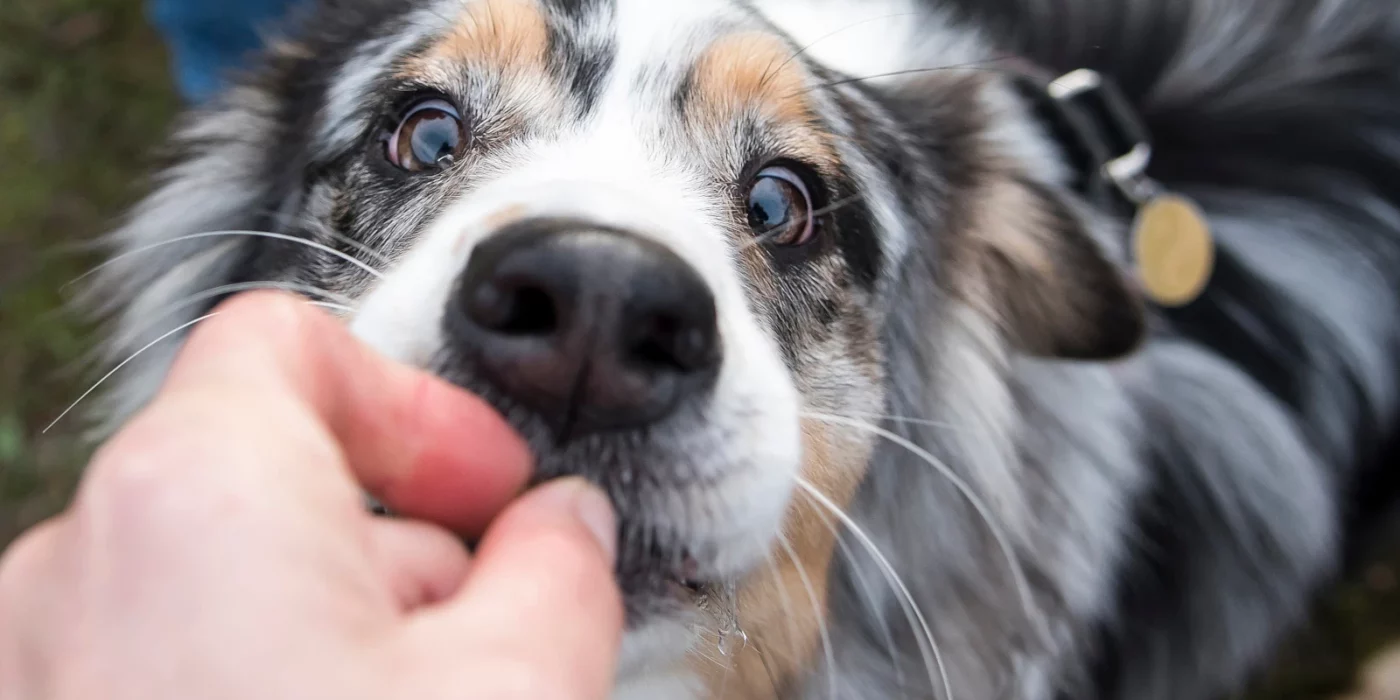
(638, 229)
(633, 228)
(665, 243)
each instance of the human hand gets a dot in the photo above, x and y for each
(219, 546)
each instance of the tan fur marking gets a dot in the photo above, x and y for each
(1005, 236)
(506, 34)
(506, 216)
(494, 222)
(755, 71)
(775, 599)
(1018, 254)
(1009, 221)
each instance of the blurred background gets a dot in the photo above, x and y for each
(86, 94)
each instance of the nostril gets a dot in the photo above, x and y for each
(671, 343)
(655, 346)
(533, 313)
(590, 329)
(521, 309)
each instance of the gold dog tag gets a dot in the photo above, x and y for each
(1174, 248)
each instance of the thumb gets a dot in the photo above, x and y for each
(541, 598)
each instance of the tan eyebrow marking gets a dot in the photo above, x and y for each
(751, 69)
(755, 72)
(505, 34)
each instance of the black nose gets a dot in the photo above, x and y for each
(594, 329)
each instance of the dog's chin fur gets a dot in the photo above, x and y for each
(952, 421)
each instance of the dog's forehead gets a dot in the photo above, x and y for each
(633, 51)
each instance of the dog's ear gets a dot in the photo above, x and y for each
(1017, 249)
(1029, 261)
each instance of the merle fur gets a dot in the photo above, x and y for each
(1237, 455)
(1212, 573)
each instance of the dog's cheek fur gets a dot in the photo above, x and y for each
(239, 163)
(999, 268)
(783, 608)
(827, 326)
(1192, 490)
(219, 183)
(1011, 246)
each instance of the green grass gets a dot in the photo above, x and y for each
(84, 96)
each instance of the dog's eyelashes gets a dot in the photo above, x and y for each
(430, 136)
(780, 207)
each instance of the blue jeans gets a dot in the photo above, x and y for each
(208, 38)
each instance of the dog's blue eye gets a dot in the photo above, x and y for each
(429, 137)
(780, 207)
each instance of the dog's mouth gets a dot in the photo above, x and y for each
(669, 561)
(654, 573)
(687, 576)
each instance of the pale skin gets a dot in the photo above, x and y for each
(218, 547)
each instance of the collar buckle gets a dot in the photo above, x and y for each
(1107, 144)
(1112, 128)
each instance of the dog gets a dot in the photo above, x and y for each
(852, 307)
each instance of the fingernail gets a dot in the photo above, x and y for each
(592, 507)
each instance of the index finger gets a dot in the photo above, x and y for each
(423, 447)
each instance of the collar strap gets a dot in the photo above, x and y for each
(1102, 137)
(1105, 142)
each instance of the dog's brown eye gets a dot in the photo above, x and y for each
(780, 207)
(429, 137)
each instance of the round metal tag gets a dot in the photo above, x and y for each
(1174, 248)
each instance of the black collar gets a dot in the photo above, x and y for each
(1100, 134)
(1104, 141)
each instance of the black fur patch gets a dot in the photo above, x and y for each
(582, 67)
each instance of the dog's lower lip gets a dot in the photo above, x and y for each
(687, 590)
(688, 576)
(689, 569)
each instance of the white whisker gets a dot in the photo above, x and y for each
(906, 599)
(773, 682)
(216, 234)
(1018, 576)
(942, 425)
(373, 254)
(333, 306)
(712, 659)
(340, 301)
(973, 65)
(724, 679)
(122, 364)
(789, 611)
(798, 54)
(818, 610)
(863, 583)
